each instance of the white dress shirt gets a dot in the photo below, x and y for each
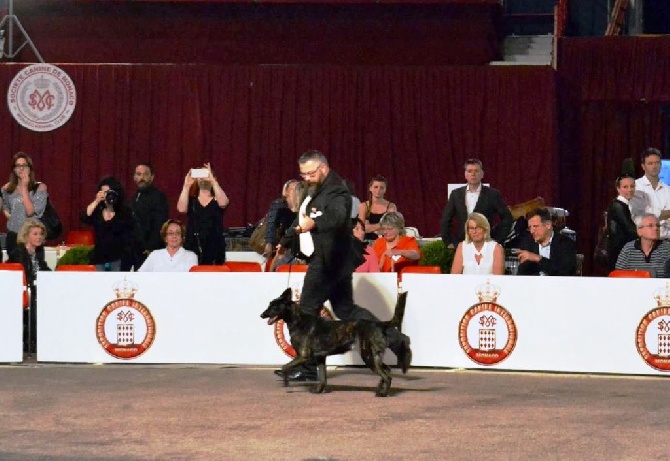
(471, 197)
(650, 200)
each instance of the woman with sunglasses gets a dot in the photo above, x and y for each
(22, 197)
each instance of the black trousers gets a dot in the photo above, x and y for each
(319, 285)
(30, 323)
(10, 242)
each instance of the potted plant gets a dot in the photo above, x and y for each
(437, 254)
(77, 254)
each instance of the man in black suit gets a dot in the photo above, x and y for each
(325, 219)
(474, 197)
(551, 253)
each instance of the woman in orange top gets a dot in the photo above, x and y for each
(395, 250)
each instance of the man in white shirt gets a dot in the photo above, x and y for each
(651, 194)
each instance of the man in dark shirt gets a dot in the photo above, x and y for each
(323, 228)
(550, 252)
(150, 210)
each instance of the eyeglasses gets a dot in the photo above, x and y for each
(21, 166)
(387, 229)
(650, 226)
(173, 234)
(473, 228)
(311, 173)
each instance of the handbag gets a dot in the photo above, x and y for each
(50, 219)
(600, 255)
(257, 239)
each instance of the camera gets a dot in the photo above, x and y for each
(198, 173)
(111, 197)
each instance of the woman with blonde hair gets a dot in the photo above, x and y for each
(204, 201)
(394, 249)
(29, 252)
(478, 254)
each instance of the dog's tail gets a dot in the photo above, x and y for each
(399, 313)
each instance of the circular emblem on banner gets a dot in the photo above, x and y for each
(125, 328)
(42, 97)
(487, 332)
(652, 338)
(284, 339)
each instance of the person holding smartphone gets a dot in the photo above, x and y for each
(203, 201)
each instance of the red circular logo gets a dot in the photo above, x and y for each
(283, 338)
(125, 328)
(42, 97)
(652, 338)
(487, 333)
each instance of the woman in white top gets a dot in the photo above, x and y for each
(478, 254)
(172, 258)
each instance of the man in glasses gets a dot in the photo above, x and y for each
(550, 253)
(648, 252)
(323, 229)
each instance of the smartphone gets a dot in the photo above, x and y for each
(197, 173)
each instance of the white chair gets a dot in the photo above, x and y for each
(412, 232)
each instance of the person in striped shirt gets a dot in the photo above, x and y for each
(648, 251)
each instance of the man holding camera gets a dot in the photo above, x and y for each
(149, 207)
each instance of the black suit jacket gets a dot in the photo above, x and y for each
(620, 228)
(563, 259)
(490, 204)
(334, 249)
(20, 255)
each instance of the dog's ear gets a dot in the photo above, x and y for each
(287, 295)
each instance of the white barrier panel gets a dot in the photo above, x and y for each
(11, 325)
(571, 324)
(192, 317)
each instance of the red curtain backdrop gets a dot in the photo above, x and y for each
(415, 125)
(444, 32)
(612, 91)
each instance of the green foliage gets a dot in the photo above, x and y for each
(437, 254)
(77, 254)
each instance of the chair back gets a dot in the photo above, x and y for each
(76, 268)
(419, 270)
(633, 273)
(80, 237)
(243, 266)
(210, 268)
(18, 267)
(519, 210)
(292, 268)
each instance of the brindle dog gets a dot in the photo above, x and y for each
(315, 338)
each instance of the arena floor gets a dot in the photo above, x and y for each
(110, 412)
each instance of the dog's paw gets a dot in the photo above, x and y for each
(318, 389)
